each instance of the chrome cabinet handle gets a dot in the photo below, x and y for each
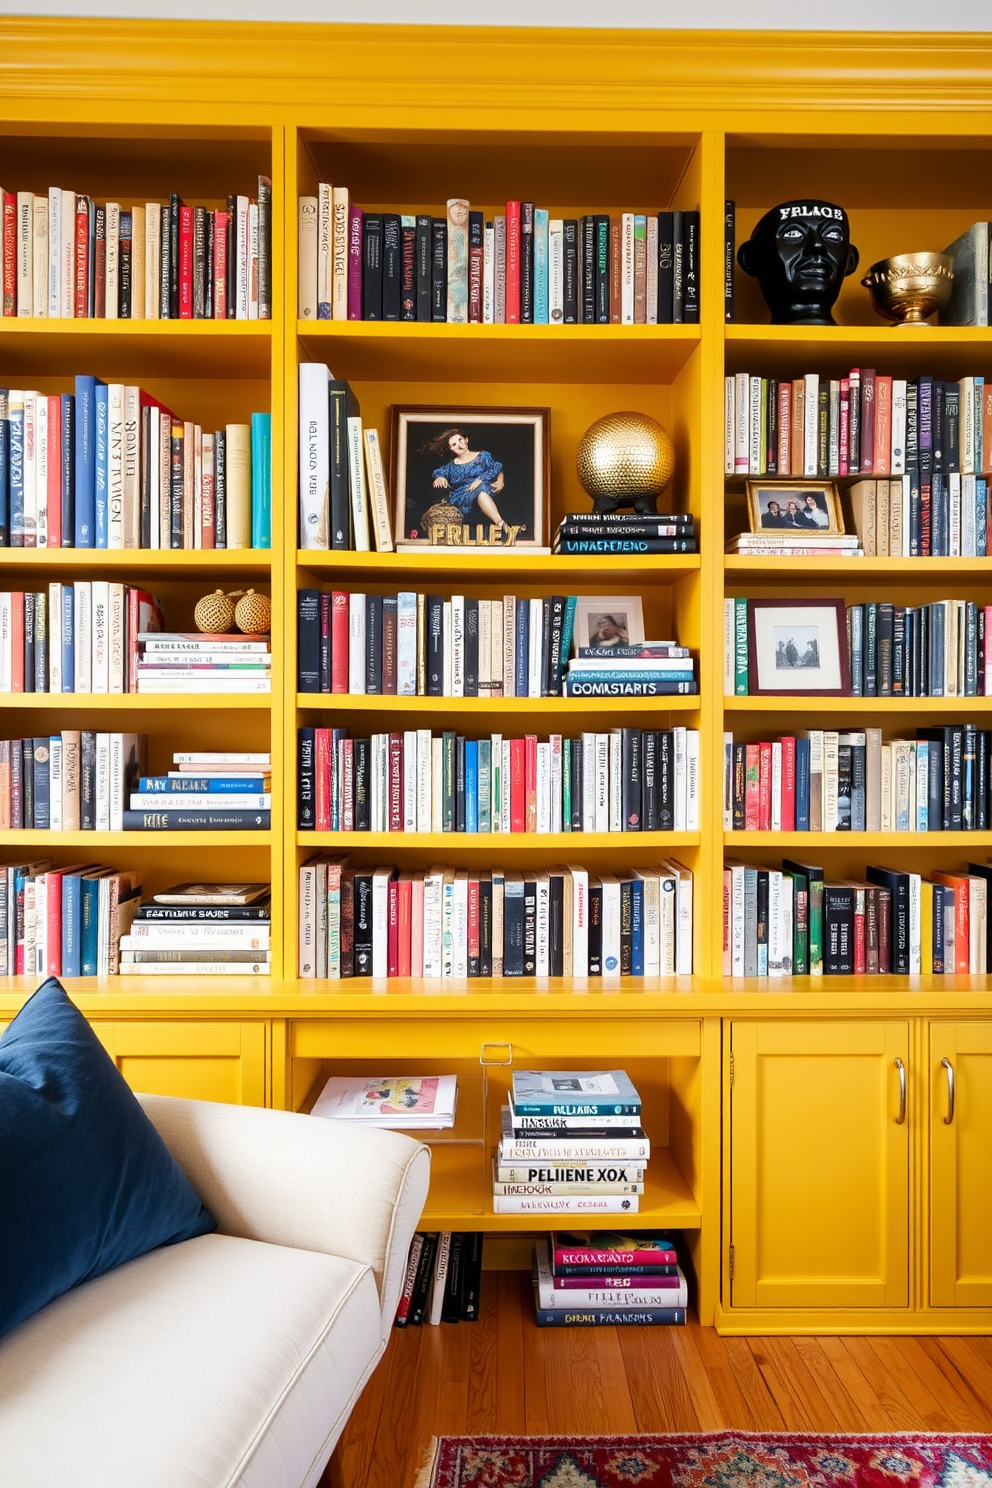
(483, 1059)
(947, 1065)
(902, 1092)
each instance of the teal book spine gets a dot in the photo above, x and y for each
(741, 686)
(540, 266)
(91, 926)
(261, 480)
(72, 925)
(567, 632)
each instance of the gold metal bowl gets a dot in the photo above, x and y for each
(908, 288)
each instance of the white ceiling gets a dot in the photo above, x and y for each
(785, 15)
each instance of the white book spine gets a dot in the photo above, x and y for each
(459, 919)
(955, 529)
(601, 784)
(102, 778)
(542, 966)
(833, 435)
(754, 449)
(6, 642)
(966, 438)
(615, 781)
(544, 787)
(55, 637)
(776, 784)
(432, 925)
(580, 921)
(742, 423)
(356, 643)
(811, 420)
(359, 496)
(488, 274)
(830, 780)
(683, 949)
(307, 267)
(39, 248)
(115, 466)
(447, 650)
(437, 786)
(692, 770)
(307, 929)
(728, 425)
(406, 644)
(410, 780)
(535, 649)
(556, 271)
(377, 493)
(898, 444)
(55, 782)
(53, 273)
(774, 923)
(314, 456)
(25, 253)
(67, 254)
(681, 792)
(423, 780)
(504, 787)
(457, 647)
(112, 235)
(627, 268)
(241, 264)
(557, 797)
(153, 260)
(325, 250)
(83, 629)
(253, 260)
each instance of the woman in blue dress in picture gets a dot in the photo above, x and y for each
(470, 477)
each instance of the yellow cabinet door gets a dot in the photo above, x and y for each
(961, 1164)
(217, 1061)
(819, 1131)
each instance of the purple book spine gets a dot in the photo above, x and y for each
(356, 217)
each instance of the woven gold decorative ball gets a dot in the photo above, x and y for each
(253, 614)
(626, 457)
(214, 613)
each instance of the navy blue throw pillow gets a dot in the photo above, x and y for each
(86, 1182)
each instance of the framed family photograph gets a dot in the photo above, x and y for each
(798, 646)
(603, 622)
(470, 477)
(809, 507)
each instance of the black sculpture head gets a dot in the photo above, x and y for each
(800, 253)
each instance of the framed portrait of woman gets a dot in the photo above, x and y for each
(470, 477)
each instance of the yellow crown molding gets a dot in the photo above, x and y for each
(376, 70)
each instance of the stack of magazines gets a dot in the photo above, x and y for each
(400, 1102)
(600, 1278)
(624, 532)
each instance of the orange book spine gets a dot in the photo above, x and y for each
(82, 297)
(220, 265)
(404, 894)
(616, 270)
(9, 253)
(783, 457)
(798, 431)
(882, 454)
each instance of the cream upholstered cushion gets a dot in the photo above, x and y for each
(212, 1363)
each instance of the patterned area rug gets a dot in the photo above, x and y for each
(728, 1459)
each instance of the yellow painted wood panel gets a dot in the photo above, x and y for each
(819, 1165)
(961, 1165)
(203, 1061)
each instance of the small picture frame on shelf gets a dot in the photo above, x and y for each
(798, 646)
(603, 622)
(470, 477)
(794, 506)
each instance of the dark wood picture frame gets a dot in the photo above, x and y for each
(792, 612)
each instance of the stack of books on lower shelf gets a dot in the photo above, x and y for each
(64, 921)
(589, 1148)
(201, 929)
(399, 1102)
(598, 1278)
(624, 532)
(184, 662)
(641, 669)
(795, 542)
(443, 1279)
(208, 791)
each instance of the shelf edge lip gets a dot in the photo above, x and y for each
(496, 840)
(384, 330)
(90, 325)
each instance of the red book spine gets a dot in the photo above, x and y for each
(764, 786)
(17, 642)
(752, 787)
(962, 926)
(347, 785)
(220, 265)
(789, 783)
(393, 930)
(185, 263)
(517, 787)
(322, 779)
(845, 424)
(9, 253)
(513, 263)
(867, 461)
(474, 894)
(53, 933)
(530, 783)
(925, 519)
(859, 932)
(54, 471)
(396, 782)
(100, 264)
(728, 891)
(404, 894)
(882, 461)
(586, 1256)
(339, 642)
(783, 455)
(82, 298)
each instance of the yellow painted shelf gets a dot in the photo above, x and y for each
(124, 348)
(131, 702)
(35, 838)
(866, 841)
(920, 570)
(140, 560)
(843, 706)
(564, 708)
(500, 842)
(505, 565)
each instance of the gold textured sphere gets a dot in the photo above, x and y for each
(214, 613)
(253, 614)
(626, 457)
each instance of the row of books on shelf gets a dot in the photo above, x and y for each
(796, 921)
(879, 650)
(183, 662)
(445, 923)
(903, 518)
(423, 645)
(829, 780)
(443, 1279)
(110, 467)
(619, 780)
(74, 637)
(607, 1278)
(516, 266)
(868, 422)
(65, 256)
(64, 921)
(623, 532)
(342, 480)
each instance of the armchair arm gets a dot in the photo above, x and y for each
(302, 1181)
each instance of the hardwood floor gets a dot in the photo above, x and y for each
(503, 1375)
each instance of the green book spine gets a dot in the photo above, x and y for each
(740, 648)
(816, 927)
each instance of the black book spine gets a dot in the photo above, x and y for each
(632, 783)
(526, 263)
(208, 284)
(485, 926)
(459, 822)
(435, 645)
(451, 1303)
(145, 457)
(898, 651)
(602, 270)
(392, 265)
(471, 648)
(952, 427)
(308, 640)
(886, 623)
(981, 811)
(556, 930)
(838, 930)
(372, 266)
(361, 764)
(678, 267)
(570, 271)
(164, 263)
(666, 267)
(363, 924)
(199, 262)
(339, 399)
(595, 929)
(553, 673)
(823, 431)
(306, 815)
(870, 668)
(174, 204)
(666, 781)
(37, 772)
(5, 483)
(423, 251)
(530, 926)
(649, 772)
(204, 913)
(325, 642)
(408, 277)
(422, 1284)
(575, 749)
(513, 930)
(938, 412)
(729, 258)
(124, 261)
(449, 783)
(373, 645)
(690, 261)
(969, 749)
(761, 920)
(471, 1275)
(588, 227)
(439, 269)
(771, 452)
(844, 765)
(626, 925)
(955, 778)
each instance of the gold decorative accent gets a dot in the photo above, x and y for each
(214, 613)
(911, 286)
(253, 614)
(625, 459)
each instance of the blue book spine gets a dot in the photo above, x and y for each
(68, 470)
(261, 480)
(471, 785)
(938, 930)
(637, 928)
(16, 421)
(100, 477)
(981, 521)
(641, 675)
(42, 784)
(922, 785)
(555, 1317)
(68, 639)
(91, 925)
(541, 265)
(85, 529)
(197, 784)
(802, 785)
(522, 648)
(4, 483)
(72, 925)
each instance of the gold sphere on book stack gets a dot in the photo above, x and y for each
(911, 286)
(214, 613)
(253, 614)
(625, 459)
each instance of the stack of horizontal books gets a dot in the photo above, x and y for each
(183, 662)
(624, 532)
(794, 542)
(208, 791)
(602, 1279)
(201, 929)
(572, 1143)
(399, 1102)
(639, 669)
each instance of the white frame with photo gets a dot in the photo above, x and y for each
(588, 605)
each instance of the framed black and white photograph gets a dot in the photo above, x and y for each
(807, 507)
(470, 477)
(798, 646)
(603, 622)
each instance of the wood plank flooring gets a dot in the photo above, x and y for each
(503, 1375)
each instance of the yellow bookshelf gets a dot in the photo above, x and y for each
(774, 1108)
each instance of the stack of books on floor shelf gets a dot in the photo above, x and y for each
(598, 1278)
(624, 532)
(208, 791)
(64, 921)
(572, 1143)
(185, 662)
(201, 929)
(443, 1279)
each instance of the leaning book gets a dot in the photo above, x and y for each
(416, 1102)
